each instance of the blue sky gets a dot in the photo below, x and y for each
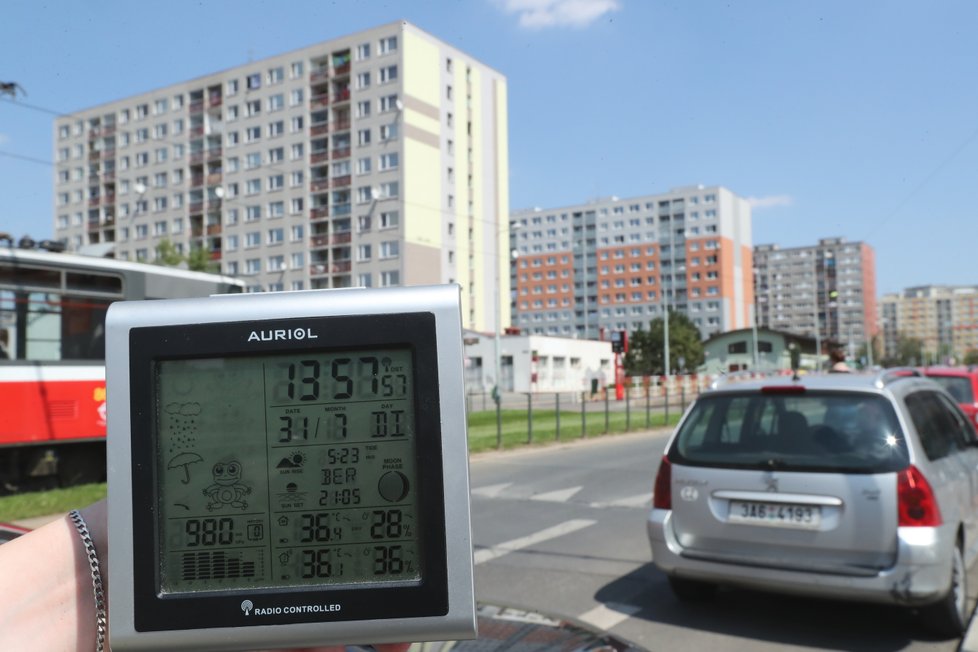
(836, 118)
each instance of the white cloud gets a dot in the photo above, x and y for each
(772, 201)
(539, 14)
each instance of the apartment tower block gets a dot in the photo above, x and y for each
(375, 159)
(616, 264)
(829, 288)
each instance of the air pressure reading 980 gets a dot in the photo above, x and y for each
(287, 471)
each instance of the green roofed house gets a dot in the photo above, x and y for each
(735, 351)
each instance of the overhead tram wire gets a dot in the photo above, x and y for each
(927, 179)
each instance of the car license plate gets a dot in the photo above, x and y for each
(775, 514)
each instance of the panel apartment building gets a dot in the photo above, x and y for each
(375, 159)
(944, 319)
(831, 284)
(615, 264)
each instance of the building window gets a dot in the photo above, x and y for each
(386, 45)
(391, 278)
(388, 74)
(389, 161)
(388, 103)
(363, 51)
(254, 81)
(276, 75)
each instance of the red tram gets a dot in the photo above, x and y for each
(52, 355)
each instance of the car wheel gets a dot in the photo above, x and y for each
(949, 617)
(691, 590)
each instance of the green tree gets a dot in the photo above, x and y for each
(167, 254)
(970, 357)
(910, 351)
(646, 347)
(199, 260)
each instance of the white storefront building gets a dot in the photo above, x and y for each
(536, 363)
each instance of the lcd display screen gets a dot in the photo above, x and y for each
(287, 470)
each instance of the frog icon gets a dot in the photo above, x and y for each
(227, 488)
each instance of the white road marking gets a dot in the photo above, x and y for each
(488, 554)
(492, 491)
(604, 617)
(638, 500)
(559, 496)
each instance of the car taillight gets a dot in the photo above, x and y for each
(662, 494)
(916, 503)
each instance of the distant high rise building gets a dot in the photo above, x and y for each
(831, 284)
(944, 319)
(374, 159)
(615, 264)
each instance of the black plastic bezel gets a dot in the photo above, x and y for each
(154, 611)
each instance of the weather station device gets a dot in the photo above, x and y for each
(288, 469)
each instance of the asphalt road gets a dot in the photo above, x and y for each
(561, 530)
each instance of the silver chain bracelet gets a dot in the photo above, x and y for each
(100, 617)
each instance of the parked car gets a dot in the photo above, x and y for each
(844, 486)
(961, 383)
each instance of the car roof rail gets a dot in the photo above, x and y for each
(728, 377)
(895, 373)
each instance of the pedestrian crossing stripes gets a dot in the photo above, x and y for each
(507, 490)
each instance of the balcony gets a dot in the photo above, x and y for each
(318, 269)
(318, 157)
(196, 180)
(94, 155)
(342, 152)
(319, 101)
(197, 106)
(341, 209)
(341, 181)
(197, 131)
(196, 231)
(108, 175)
(341, 238)
(342, 95)
(340, 125)
(213, 179)
(93, 202)
(214, 100)
(108, 153)
(213, 229)
(196, 207)
(320, 240)
(215, 255)
(341, 267)
(214, 204)
(319, 130)
(342, 69)
(319, 185)
(319, 213)
(110, 198)
(318, 75)
(213, 153)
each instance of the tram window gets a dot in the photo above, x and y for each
(94, 283)
(46, 327)
(29, 277)
(83, 329)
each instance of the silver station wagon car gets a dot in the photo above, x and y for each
(844, 486)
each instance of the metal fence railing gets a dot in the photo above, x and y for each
(531, 417)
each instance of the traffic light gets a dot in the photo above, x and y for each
(619, 341)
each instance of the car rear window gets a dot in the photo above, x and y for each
(809, 431)
(958, 387)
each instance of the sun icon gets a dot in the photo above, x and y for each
(298, 458)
